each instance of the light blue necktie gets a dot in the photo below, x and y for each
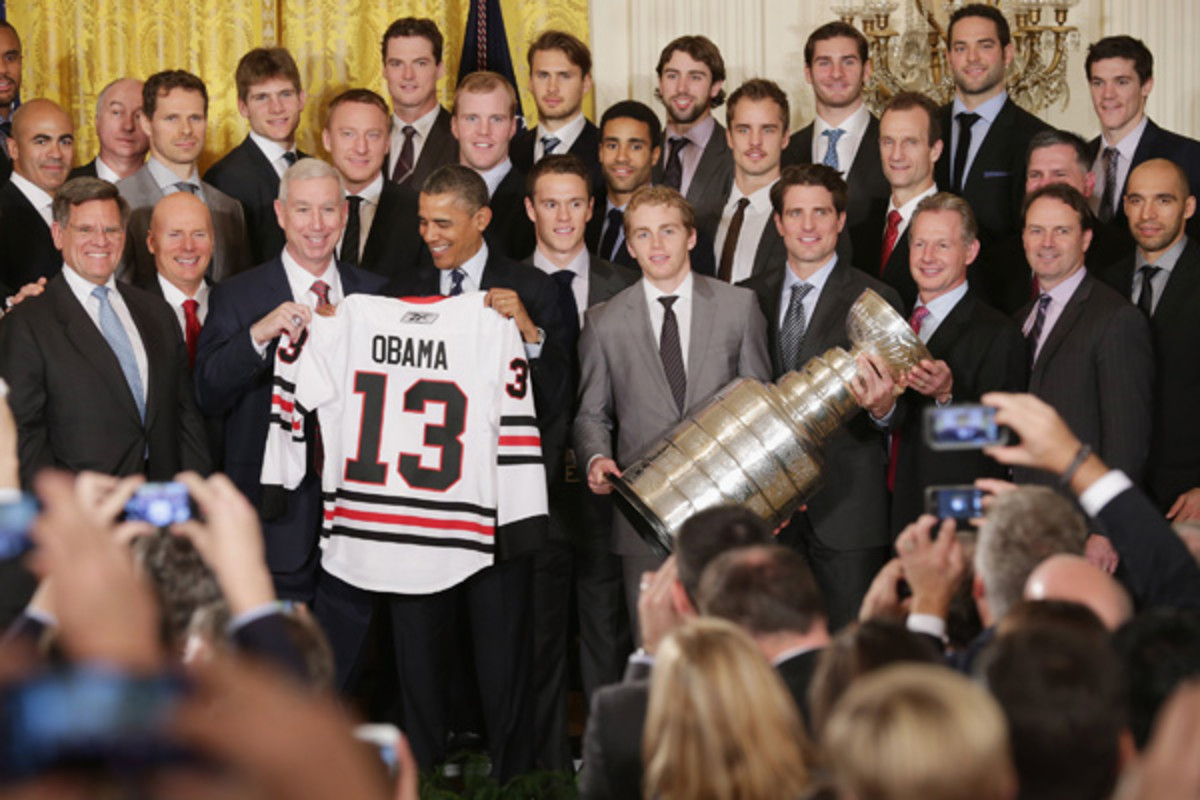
(831, 156)
(118, 340)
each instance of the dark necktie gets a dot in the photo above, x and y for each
(456, 281)
(673, 174)
(549, 143)
(404, 164)
(1146, 298)
(191, 328)
(671, 353)
(352, 233)
(795, 325)
(616, 219)
(890, 235)
(831, 153)
(965, 121)
(1109, 198)
(729, 249)
(566, 300)
(1035, 332)
(184, 186)
(6, 129)
(290, 157)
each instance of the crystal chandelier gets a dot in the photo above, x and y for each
(915, 60)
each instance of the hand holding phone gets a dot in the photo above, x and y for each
(963, 427)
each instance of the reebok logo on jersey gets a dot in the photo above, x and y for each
(419, 317)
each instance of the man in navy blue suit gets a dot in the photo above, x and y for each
(235, 358)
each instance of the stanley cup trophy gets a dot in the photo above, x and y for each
(760, 445)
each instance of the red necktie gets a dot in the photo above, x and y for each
(918, 316)
(191, 328)
(321, 290)
(890, 235)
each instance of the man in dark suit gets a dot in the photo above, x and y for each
(746, 240)
(844, 134)
(421, 140)
(1003, 277)
(123, 143)
(577, 555)
(844, 532)
(629, 133)
(560, 74)
(910, 143)
(41, 145)
(235, 358)
(1092, 358)
(175, 118)
(97, 371)
(696, 160)
(381, 223)
(985, 134)
(975, 349)
(484, 120)
(10, 89)
(1163, 279)
(270, 98)
(1120, 72)
(767, 591)
(181, 241)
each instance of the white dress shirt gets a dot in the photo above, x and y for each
(274, 152)
(754, 223)
(566, 136)
(104, 172)
(939, 308)
(855, 127)
(176, 298)
(1125, 151)
(683, 313)
(366, 213)
(906, 211)
(987, 111)
(579, 284)
(166, 179)
(423, 125)
(82, 289)
(496, 175)
(816, 280)
(37, 197)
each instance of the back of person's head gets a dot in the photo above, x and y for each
(720, 723)
(857, 650)
(764, 589)
(919, 732)
(1077, 580)
(310, 641)
(1062, 691)
(1023, 528)
(706, 535)
(1052, 615)
(181, 580)
(1160, 649)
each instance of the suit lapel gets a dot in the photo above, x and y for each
(997, 138)
(645, 346)
(1181, 287)
(157, 353)
(1062, 327)
(950, 329)
(708, 169)
(86, 337)
(704, 311)
(266, 173)
(829, 317)
(770, 252)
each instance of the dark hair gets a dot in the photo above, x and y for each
(762, 589)
(632, 109)
(413, 26)
(987, 12)
(262, 64)
(364, 96)
(836, 30)
(906, 101)
(714, 531)
(759, 89)
(810, 175)
(181, 581)
(160, 84)
(1052, 137)
(1121, 47)
(1160, 649)
(1062, 691)
(1068, 195)
(575, 50)
(702, 49)
(78, 191)
(558, 164)
(463, 182)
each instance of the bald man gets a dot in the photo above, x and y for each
(41, 146)
(123, 143)
(1077, 580)
(181, 240)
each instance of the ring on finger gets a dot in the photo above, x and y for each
(297, 320)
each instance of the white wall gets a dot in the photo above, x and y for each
(766, 38)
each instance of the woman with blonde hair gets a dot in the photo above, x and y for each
(720, 725)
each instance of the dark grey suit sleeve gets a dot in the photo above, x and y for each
(593, 427)
(1158, 569)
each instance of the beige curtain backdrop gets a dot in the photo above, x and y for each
(73, 48)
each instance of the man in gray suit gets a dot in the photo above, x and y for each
(1090, 347)
(634, 374)
(696, 160)
(174, 117)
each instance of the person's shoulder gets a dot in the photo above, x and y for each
(229, 166)
(248, 283)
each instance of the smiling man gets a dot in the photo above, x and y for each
(181, 240)
(123, 143)
(10, 88)
(175, 118)
(629, 133)
(654, 354)
(560, 74)
(270, 99)
(1091, 351)
(41, 145)
(421, 140)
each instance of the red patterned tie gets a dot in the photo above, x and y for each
(889, 238)
(191, 328)
(918, 316)
(321, 290)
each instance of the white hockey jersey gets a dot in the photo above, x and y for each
(429, 436)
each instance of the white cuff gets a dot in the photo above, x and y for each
(928, 624)
(1102, 492)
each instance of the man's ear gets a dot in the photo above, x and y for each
(681, 602)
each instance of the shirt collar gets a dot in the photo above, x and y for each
(699, 134)
(906, 210)
(474, 265)
(792, 652)
(988, 109)
(175, 296)
(301, 280)
(683, 291)
(760, 199)
(567, 134)
(495, 176)
(371, 191)
(1128, 145)
(36, 196)
(1062, 293)
(271, 149)
(165, 178)
(81, 287)
(816, 280)
(423, 124)
(1167, 260)
(104, 172)
(579, 264)
(940, 306)
(854, 125)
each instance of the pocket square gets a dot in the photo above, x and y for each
(996, 174)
